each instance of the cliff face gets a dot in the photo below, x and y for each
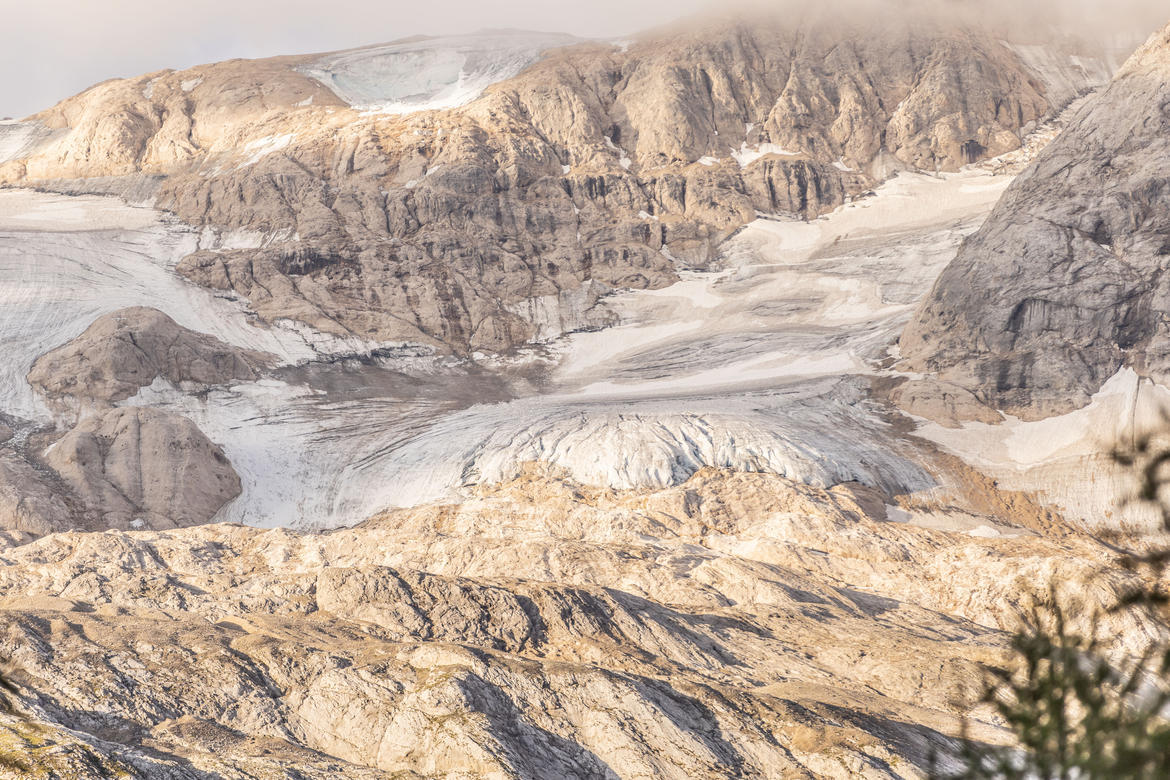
(1066, 281)
(596, 163)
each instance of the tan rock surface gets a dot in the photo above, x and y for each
(737, 625)
(142, 468)
(31, 500)
(942, 402)
(126, 350)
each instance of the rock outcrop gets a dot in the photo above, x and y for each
(738, 625)
(142, 468)
(598, 163)
(122, 467)
(31, 500)
(1067, 281)
(126, 350)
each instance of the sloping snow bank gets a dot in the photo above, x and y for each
(21, 139)
(1066, 458)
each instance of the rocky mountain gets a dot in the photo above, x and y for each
(1065, 283)
(497, 222)
(519, 406)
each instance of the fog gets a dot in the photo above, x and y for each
(55, 48)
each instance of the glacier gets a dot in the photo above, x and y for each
(760, 364)
(429, 73)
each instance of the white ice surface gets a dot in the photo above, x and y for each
(430, 73)
(20, 139)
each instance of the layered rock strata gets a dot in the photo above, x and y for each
(738, 625)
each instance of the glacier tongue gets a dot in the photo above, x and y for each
(819, 432)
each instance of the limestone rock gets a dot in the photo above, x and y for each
(1066, 281)
(126, 350)
(737, 625)
(942, 402)
(31, 500)
(142, 468)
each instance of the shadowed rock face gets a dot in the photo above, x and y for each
(1067, 280)
(31, 499)
(596, 163)
(126, 350)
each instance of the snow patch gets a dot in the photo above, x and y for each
(746, 155)
(623, 159)
(262, 147)
(1066, 458)
(23, 139)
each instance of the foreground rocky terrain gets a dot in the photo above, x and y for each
(736, 625)
(514, 406)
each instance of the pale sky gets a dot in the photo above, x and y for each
(55, 48)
